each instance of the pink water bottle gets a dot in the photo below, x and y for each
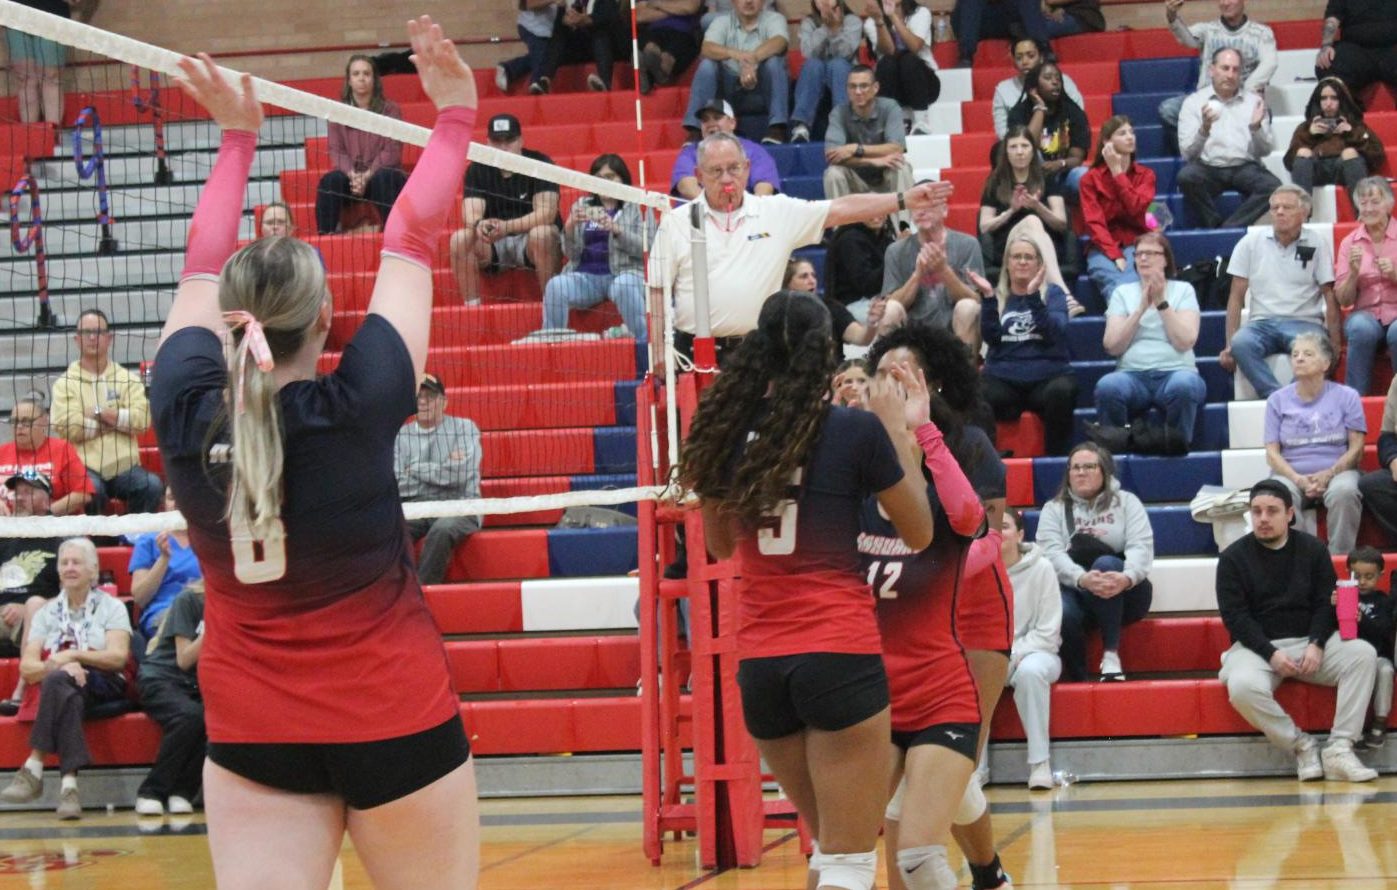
(1346, 605)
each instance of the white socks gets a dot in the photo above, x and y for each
(35, 766)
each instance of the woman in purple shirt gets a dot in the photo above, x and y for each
(1314, 441)
(367, 167)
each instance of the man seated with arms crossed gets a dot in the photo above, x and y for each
(1274, 587)
(33, 448)
(28, 573)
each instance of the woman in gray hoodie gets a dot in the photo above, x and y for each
(1099, 540)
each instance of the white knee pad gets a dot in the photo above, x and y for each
(926, 868)
(972, 804)
(893, 810)
(849, 871)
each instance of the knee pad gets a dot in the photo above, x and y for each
(849, 871)
(972, 804)
(926, 868)
(893, 810)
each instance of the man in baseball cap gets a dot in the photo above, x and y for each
(28, 572)
(510, 219)
(717, 117)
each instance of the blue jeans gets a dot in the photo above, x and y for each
(1122, 396)
(817, 75)
(531, 63)
(1255, 340)
(582, 290)
(1104, 274)
(142, 490)
(1082, 609)
(1363, 333)
(713, 80)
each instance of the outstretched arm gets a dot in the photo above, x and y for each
(213, 233)
(403, 292)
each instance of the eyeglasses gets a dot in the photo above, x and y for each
(733, 170)
(27, 422)
(1084, 468)
(1148, 252)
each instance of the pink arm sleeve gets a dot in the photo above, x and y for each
(430, 194)
(213, 233)
(958, 497)
(983, 552)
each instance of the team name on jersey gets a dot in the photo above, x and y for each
(882, 545)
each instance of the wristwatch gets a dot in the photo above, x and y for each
(858, 151)
(1163, 304)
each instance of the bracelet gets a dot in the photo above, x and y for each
(901, 201)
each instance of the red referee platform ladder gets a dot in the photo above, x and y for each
(726, 809)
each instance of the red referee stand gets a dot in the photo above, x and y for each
(725, 809)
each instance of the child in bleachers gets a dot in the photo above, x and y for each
(1375, 624)
(1332, 145)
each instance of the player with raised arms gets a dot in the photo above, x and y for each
(783, 474)
(328, 701)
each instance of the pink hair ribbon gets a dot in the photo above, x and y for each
(254, 342)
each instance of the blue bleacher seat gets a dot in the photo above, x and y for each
(606, 480)
(591, 551)
(786, 157)
(1179, 74)
(810, 158)
(1199, 244)
(1149, 140)
(1142, 108)
(1209, 433)
(614, 449)
(1166, 169)
(811, 188)
(1175, 531)
(625, 401)
(1152, 479)
(1184, 218)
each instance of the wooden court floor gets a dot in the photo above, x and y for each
(1241, 835)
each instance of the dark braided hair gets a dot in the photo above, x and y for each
(785, 365)
(950, 375)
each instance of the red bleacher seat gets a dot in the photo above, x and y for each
(502, 554)
(483, 607)
(1018, 481)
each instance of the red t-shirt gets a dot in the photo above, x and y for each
(55, 458)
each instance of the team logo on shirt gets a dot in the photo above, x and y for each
(21, 569)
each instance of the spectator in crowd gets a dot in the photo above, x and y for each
(1273, 588)
(604, 240)
(899, 34)
(367, 166)
(1376, 625)
(162, 564)
(1023, 323)
(1290, 274)
(1232, 29)
(76, 653)
(1224, 132)
(1332, 145)
(1151, 327)
(1099, 540)
(1115, 194)
(717, 117)
(437, 458)
(28, 573)
(750, 239)
(534, 22)
(584, 31)
(1314, 441)
(744, 61)
(32, 448)
(1365, 280)
(37, 64)
(829, 47)
(849, 384)
(864, 143)
(1034, 663)
(1379, 488)
(930, 275)
(854, 264)
(800, 277)
(1058, 126)
(101, 408)
(1028, 54)
(1015, 192)
(510, 219)
(169, 679)
(1367, 52)
(668, 35)
(1038, 20)
(277, 221)
(719, 8)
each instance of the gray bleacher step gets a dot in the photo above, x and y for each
(17, 386)
(135, 201)
(132, 307)
(286, 130)
(23, 352)
(18, 276)
(81, 238)
(139, 169)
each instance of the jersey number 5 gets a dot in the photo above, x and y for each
(258, 560)
(777, 537)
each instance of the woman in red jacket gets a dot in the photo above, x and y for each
(1115, 193)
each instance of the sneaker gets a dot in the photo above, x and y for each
(179, 806)
(69, 807)
(1111, 667)
(1375, 737)
(501, 79)
(23, 787)
(800, 133)
(541, 86)
(1307, 765)
(1040, 776)
(595, 83)
(149, 806)
(1074, 308)
(774, 136)
(9, 707)
(1342, 765)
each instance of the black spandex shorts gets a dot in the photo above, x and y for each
(365, 774)
(962, 738)
(822, 690)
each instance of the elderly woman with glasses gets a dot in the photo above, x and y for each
(1365, 278)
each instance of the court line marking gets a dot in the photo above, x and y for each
(710, 875)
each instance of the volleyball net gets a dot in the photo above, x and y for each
(547, 367)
